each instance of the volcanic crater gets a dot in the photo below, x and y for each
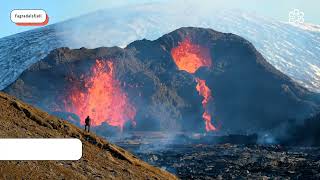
(192, 79)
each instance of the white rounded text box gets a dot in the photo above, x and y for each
(28, 16)
(40, 149)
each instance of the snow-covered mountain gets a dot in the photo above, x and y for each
(293, 49)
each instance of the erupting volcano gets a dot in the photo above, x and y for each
(190, 57)
(100, 96)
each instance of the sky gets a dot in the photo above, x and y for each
(60, 10)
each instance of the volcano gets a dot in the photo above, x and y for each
(219, 77)
(282, 44)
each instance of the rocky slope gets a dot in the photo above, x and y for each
(249, 94)
(100, 160)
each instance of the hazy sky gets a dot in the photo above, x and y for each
(59, 10)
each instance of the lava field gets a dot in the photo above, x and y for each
(229, 161)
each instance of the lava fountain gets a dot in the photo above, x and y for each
(190, 57)
(101, 97)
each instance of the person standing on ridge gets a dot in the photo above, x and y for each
(87, 124)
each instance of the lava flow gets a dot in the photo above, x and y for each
(100, 96)
(205, 92)
(190, 57)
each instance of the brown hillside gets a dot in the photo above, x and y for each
(100, 160)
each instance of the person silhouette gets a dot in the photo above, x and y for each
(87, 124)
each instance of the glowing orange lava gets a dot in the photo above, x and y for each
(205, 92)
(190, 57)
(101, 98)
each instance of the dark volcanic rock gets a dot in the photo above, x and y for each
(305, 133)
(248, 93)
(229, 161)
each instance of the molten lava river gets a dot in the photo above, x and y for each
(100, 96)
(190, 57)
